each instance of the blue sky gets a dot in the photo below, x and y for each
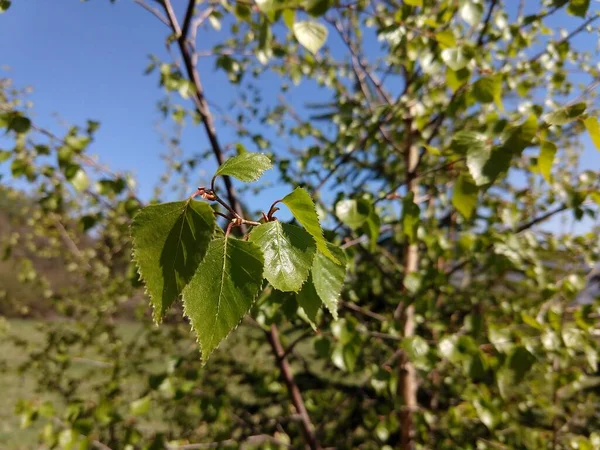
(86, 61)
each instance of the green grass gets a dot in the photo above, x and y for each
(15, 386)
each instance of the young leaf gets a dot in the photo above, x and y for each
(477, 161)
(565, 115)
(592, 127)
(455, 58)
(578, 7)
(410, 217)
(471, 12)
(353, 213)
(289, 252)
(464, 197)
(311, 35)
(468, 141)
(488, 90)
(222, 290)
(245, 167)
(328, 277)
(303, 209)
(546, 159)
(169, 242)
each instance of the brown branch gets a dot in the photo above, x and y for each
(153, 11)
(201, 103)
(187, 20)
(486, 23)
(207, 120)
(292, 387)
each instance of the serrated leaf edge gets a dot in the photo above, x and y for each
(311, 263)
(328, 253)
(204, 360)
(157, 316)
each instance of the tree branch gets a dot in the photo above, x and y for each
(292, 387)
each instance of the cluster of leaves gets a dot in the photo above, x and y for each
(180, 252)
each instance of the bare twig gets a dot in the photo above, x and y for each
(292, 387)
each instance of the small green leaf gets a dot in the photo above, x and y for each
(222, 290)
(268, 7)
(446, 39)
(464, 197)
(546, 159)
(245, 167)
(592, 127)
(169, 242)
(477, 161)
(289, 252)
(140, 406)
(410, 217)
(288, 18)
(455, 58)
(578, 7)
(80, 181)
(471, 12)
(317, 8)
(413, 2)
(328, 277)
(353, 212)
(488, 90)
(303, 209)
(4, 5)
(311, 35)
(565, 115)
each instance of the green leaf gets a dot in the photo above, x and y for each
(520, 362)
(371, 228)
(80, 180)
(303, 209)
(455, 58)
(4, 5)
(477, 162)
(488, 90)
(578, 7)
(410, 217)
(413, 2)
(245, 167)
(353, 212)
(311, 35)
(169, 242)
(546, 159)
(288, 18)
(468, 141)
(471, 12)
(289, 252)
(317, 8)
(268, 7)
(565, 115)
(222, 290)
(464, 197)
(446, 39)
(309, 301)
(140, 406)
(328, 277)
(592, 127)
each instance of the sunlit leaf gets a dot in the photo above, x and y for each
(464, 197)
(546, 159)
(289, 252)
(245, 167)
(222, 290)
(169, 242)
(311, 35)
